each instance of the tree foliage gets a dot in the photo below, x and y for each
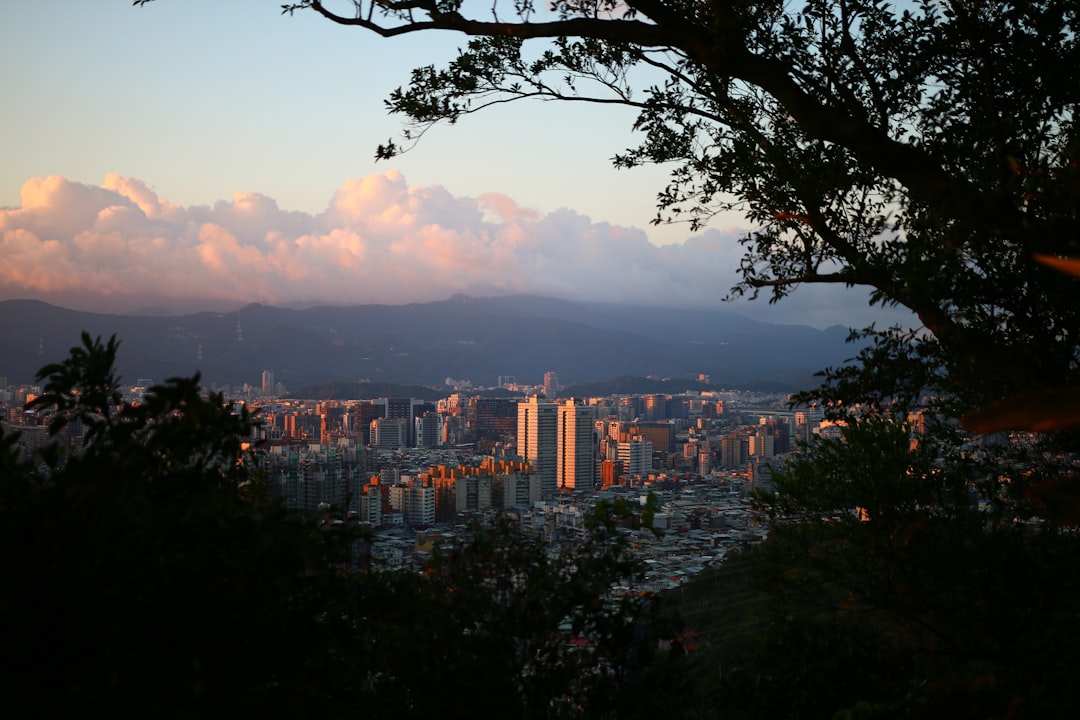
(884, 568)
(147, 573)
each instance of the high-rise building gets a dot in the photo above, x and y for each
(704, 460)
(677, 408)
(406, 409)
(361, 414)
(610, 472)
(492, 418)
(734, 450)
(660, 434)
(636, 455)
(576, 468)
(387, 432)
(316, 474)
(420, 505)
(537, 441)
(655, 407)
(429, 430)
(368, 504)
(762, 445)
(268, 383)
(629, 408)
(414, 500)
(551, 384)
(516, 489)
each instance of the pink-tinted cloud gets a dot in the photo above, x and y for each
(380, 240)
(504, 208)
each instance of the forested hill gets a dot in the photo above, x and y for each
(463, 338)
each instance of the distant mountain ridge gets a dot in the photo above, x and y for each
(464, 338)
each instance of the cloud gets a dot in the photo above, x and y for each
(380, 240)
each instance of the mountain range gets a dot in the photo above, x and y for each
(463, 338)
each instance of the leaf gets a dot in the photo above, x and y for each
(1065, 265)
(1059, 500)
(1043, 411)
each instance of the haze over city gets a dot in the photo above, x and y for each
(187, 157)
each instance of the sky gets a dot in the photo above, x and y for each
(201, 155)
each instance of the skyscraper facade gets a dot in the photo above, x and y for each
(428, 430)
(576, 467)
(551, 384)
(407, 409)
(492, 418)
(537, 441)
(636, 455)
(387, 432)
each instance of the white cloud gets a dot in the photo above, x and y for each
(379, 241)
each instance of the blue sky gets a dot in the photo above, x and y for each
(225, 137)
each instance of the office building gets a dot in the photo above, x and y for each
(387, 432)
(551, 385)
(636, 455)
(492, 418)
(407, 409)
(429, 430)
(537, 441)
(576, 467)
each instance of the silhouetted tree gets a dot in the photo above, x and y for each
(146, 573)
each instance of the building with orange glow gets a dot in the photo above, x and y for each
(537, 441)
(576, 441)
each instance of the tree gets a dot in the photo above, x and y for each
(147, 572)
(515, 632)
(926, 150)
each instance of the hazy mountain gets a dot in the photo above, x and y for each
(464, 338)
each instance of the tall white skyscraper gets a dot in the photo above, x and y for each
(577, 447)
(537, 441)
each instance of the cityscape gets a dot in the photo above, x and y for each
(341, 376)
(415, 471)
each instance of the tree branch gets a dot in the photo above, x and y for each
(924, 177)
(837, 277)
(624, 31)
